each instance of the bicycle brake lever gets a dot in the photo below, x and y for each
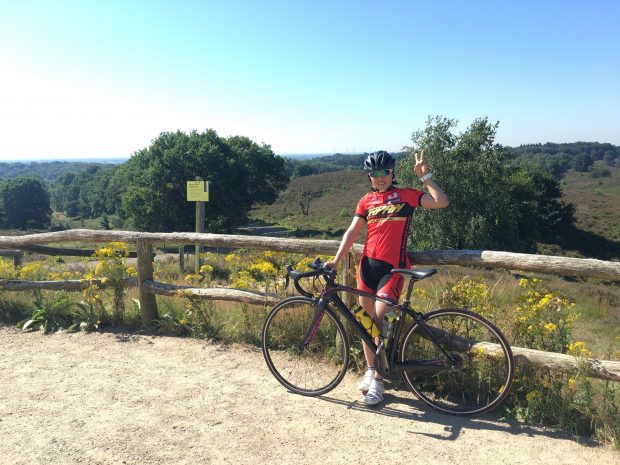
(287, 277)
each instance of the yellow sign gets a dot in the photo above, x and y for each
(198, 191)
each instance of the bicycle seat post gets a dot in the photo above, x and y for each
(408, 293)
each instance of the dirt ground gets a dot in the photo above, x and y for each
(106, 398)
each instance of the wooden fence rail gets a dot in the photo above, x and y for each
(148, 288)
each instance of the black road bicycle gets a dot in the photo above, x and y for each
(453, 359)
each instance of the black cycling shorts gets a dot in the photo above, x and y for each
(374, 277)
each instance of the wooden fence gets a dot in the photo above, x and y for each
(148, 288)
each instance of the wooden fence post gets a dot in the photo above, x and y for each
(349, 278)
(148, 304)
(182, 259)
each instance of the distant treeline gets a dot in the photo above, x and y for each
(47, 171)
(554, 158)
(328, 164)
(559, 158)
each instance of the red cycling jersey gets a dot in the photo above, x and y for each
(388, 216)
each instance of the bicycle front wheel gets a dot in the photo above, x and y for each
(305, 347)
(468, 368)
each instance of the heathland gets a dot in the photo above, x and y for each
(553, 313)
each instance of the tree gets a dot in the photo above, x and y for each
(266, 170)
(540, 216)
(240, 174)
(26, 203)
(304, 169)
(86, 194)
(582, 162)
(490, 205)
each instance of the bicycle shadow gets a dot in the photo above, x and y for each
(400, 404)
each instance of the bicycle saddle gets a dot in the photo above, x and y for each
(415, 274)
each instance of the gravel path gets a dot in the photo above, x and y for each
(107, 398)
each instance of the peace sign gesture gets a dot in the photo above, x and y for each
(420, 168)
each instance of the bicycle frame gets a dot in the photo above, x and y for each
(386, 361)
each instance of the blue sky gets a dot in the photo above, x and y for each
(104, 78)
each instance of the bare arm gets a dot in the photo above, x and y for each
(347, 241)
(436, 197)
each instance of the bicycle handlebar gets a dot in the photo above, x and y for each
(318, 269)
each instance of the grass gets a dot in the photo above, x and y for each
(596, 201)
(60, 219)
(334, 197)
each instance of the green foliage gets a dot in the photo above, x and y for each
(25, 204)
(493, 203)
(328, 164)
(240, 173)
(89, 193)
(46, 171)
(49, 315)
(304, 169)
(559, 158)
(175, 319)
(85, 317)
(600, 172)
(542, 319)
(582, 162)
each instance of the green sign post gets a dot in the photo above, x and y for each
(198, 191)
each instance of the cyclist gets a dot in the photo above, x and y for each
(387, 212)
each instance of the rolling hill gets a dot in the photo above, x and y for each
(333, 197)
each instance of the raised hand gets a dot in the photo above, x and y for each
(420, 168)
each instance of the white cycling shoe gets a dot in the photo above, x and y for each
(365, 381)
(375, 392)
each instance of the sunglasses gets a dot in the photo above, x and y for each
(380, 173)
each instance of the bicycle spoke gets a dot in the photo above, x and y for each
(305, 350)
(480, 362)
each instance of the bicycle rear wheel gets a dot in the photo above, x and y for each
(474, 376)
(305, 347)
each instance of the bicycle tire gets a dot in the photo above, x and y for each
(480, 376)
(306, 364)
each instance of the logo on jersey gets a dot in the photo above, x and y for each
(385, 209)
(393, 198)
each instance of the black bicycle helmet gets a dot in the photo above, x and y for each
(380, 160)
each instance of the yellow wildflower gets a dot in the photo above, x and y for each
(230, 258)
(206, 268)
(131, 271)
(578, 349)
(532, 395)
(30, 271)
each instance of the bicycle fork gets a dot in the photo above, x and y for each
(319, 312)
